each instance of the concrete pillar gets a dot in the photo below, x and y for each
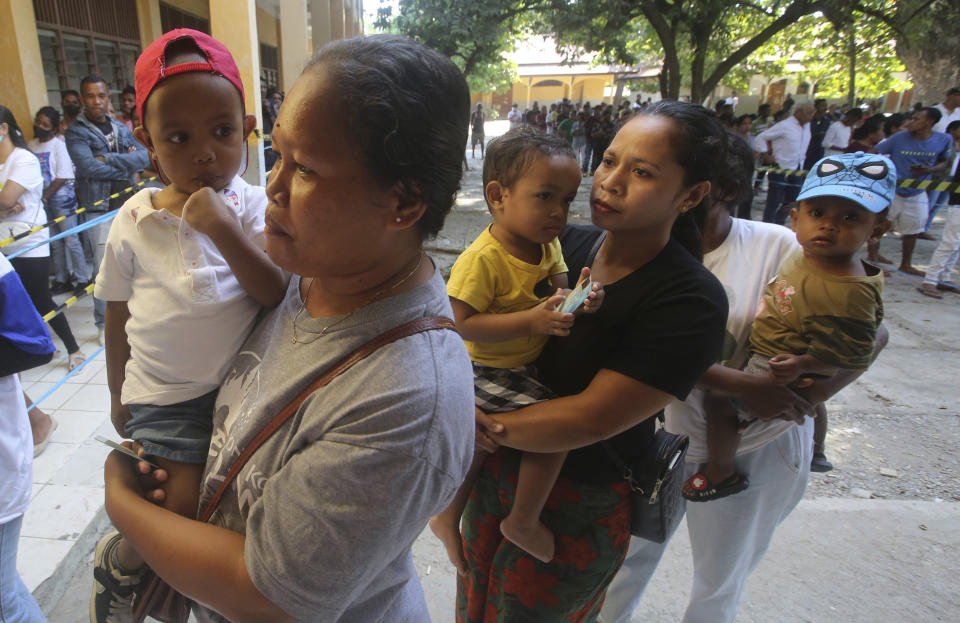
(320, 22)
(336, 20)
(23, 88)
(148, 18)
(234, 23)
(294, 50)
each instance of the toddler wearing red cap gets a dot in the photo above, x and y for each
(184, 275)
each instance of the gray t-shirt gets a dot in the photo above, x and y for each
(332, 502)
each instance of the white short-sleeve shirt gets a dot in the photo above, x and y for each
(188, 313)
(23, 168)
(54, 156)
(745, 262)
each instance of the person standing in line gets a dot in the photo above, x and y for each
(945, 256)
(24, 344)
(21, 208)
(775, 454)
(106, 157)
(918, 153)
(60, 198)
(70, 105)
(476, 131)
(786, 141)
(838, 134)
(614, 373)
(819, 125)
(515, 117)
(128, 108)
(949, 109)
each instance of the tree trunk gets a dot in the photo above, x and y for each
(932, 74)
(931, 48)
(852, 56)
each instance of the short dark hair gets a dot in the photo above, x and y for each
(52, 114)
(953, 125)
(933, 114)
(894, 120)
(735, 179)
(868, 127)
(91, 79)
(408, 109)
(509, 156)
(128, 89)
(819, 100)
(854, 113)
(67, 92)
(953, 91)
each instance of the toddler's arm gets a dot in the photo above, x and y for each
(117, 355)
(261, 278)
(787, 368)
(483, 327)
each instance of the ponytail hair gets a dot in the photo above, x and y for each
(14, 133)
(700, 148)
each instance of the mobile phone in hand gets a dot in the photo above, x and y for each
(133, 455)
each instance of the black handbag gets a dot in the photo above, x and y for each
(655, 477)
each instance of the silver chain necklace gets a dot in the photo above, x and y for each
(376, 295)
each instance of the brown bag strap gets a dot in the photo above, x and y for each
(397, 333)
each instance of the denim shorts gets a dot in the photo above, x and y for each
(178, 432)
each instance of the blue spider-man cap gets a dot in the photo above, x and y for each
(867, 179)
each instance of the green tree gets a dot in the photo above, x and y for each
(696, 40)
(475, 35)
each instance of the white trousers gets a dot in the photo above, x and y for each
(945, 256)
(728, 537)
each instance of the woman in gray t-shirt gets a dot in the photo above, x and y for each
(319, 523)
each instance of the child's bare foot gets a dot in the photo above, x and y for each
(448, 532)
(532, 537)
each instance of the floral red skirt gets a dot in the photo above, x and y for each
(506, 585)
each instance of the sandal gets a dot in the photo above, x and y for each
(703, 491)
(75, 359)
(820, 464)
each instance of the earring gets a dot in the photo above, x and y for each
(399, 220)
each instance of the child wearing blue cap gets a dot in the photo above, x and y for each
(821, 311)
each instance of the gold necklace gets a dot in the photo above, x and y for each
(376, 295)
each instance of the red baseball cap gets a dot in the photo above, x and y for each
(151, 67)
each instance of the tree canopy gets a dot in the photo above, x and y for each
(701, 44)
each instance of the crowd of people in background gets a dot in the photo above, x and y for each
(585, 127)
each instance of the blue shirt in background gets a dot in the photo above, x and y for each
(905, 150)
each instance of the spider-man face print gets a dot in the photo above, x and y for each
(868, 179)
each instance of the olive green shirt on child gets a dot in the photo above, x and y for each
(833, 318)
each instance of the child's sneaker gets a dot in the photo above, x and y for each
(112, 598)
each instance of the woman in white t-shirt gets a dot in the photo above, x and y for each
(774, 451)
(60, 199)
(21, 207)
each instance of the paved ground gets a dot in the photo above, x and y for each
(865, 545)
